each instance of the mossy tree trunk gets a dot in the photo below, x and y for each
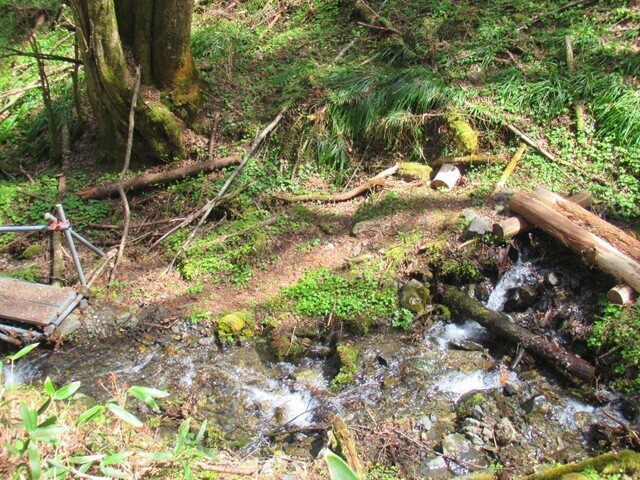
(113, 36)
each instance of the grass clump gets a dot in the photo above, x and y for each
(615, 337)
(358, 302)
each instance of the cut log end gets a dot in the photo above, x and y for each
(620, 295)
(447, 177)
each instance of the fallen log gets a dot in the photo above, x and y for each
(477, 159)
(591, 222)
(512, 226)
(149, 179)
(500, 324)
(339, 197)
(593, 248)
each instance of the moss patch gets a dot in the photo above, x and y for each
(465, 136)
(348, 358)
(235, 327)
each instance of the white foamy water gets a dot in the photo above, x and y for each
(296, 406)
(469, 330)
(457, 384)
(520, 274)
(21, 373)
(567, 416)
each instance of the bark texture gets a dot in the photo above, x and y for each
(109, 28)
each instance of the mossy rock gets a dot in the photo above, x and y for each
(235, 327)
(469, 401)
(348, 360)
(259, 244)
(32, 251)
(283, 348)
(415, 296)
(625, 464)
(415, 171)
(464, 135)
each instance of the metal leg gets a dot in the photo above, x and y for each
(86, 243)
(72, 247)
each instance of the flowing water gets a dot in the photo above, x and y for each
(249, 397)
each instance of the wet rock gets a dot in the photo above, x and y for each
(151, 314)
(466, 345)
(505, 432)
(520, 298)
(478, 227)
(424, 423)
(415, 296)
(482, 291)
(456, 446)
(467, 403)
(552, 279)
(435, 467)
(631, 407)
(537, 404)
(510, 390)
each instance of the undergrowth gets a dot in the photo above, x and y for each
(615, 338)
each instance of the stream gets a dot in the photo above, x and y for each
(452, 388)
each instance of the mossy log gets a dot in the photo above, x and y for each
(512, 226)
(477, 159)
(614, 464)
(500, 324)
(345, 445)
(584, 233)
(150, 178)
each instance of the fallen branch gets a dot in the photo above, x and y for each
(149, 179)
(531, 142)
(501, 325)
(206, 210)
(339, 197)
(125, 169)
(509, 169)
(540, 16)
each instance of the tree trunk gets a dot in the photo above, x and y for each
(500, 324)
(594, 249)
(108, 28)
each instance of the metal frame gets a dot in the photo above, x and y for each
(59, 224)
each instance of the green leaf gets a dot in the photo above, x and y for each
(89, 415)
(115, 458)
(29, 417)
(147, 395)
(187, 471)
(157, 456)
(43, 408)
(201, 433)
(124, 415)
(114, 472)
(338, 468)
(17, 448)
(66, 391)
(49, 434)
(85, 459)
(35, 466)
(21, 353)
(48, 387)
(48, 422)
(183, 431)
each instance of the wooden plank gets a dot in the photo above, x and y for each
(33, 303)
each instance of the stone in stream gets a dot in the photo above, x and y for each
(457, 447)
(415, 296)
(520, 298)
(505, 432)
(478, 227)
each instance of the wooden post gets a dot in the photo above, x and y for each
(512, 226)
(594, 249)
(447, 176)
(509, 168)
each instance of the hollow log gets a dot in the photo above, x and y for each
(512, 226)
(149, 179)
(620, 295)
(501, 325)
(593, 248)
(591, 222)
(447, 177)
